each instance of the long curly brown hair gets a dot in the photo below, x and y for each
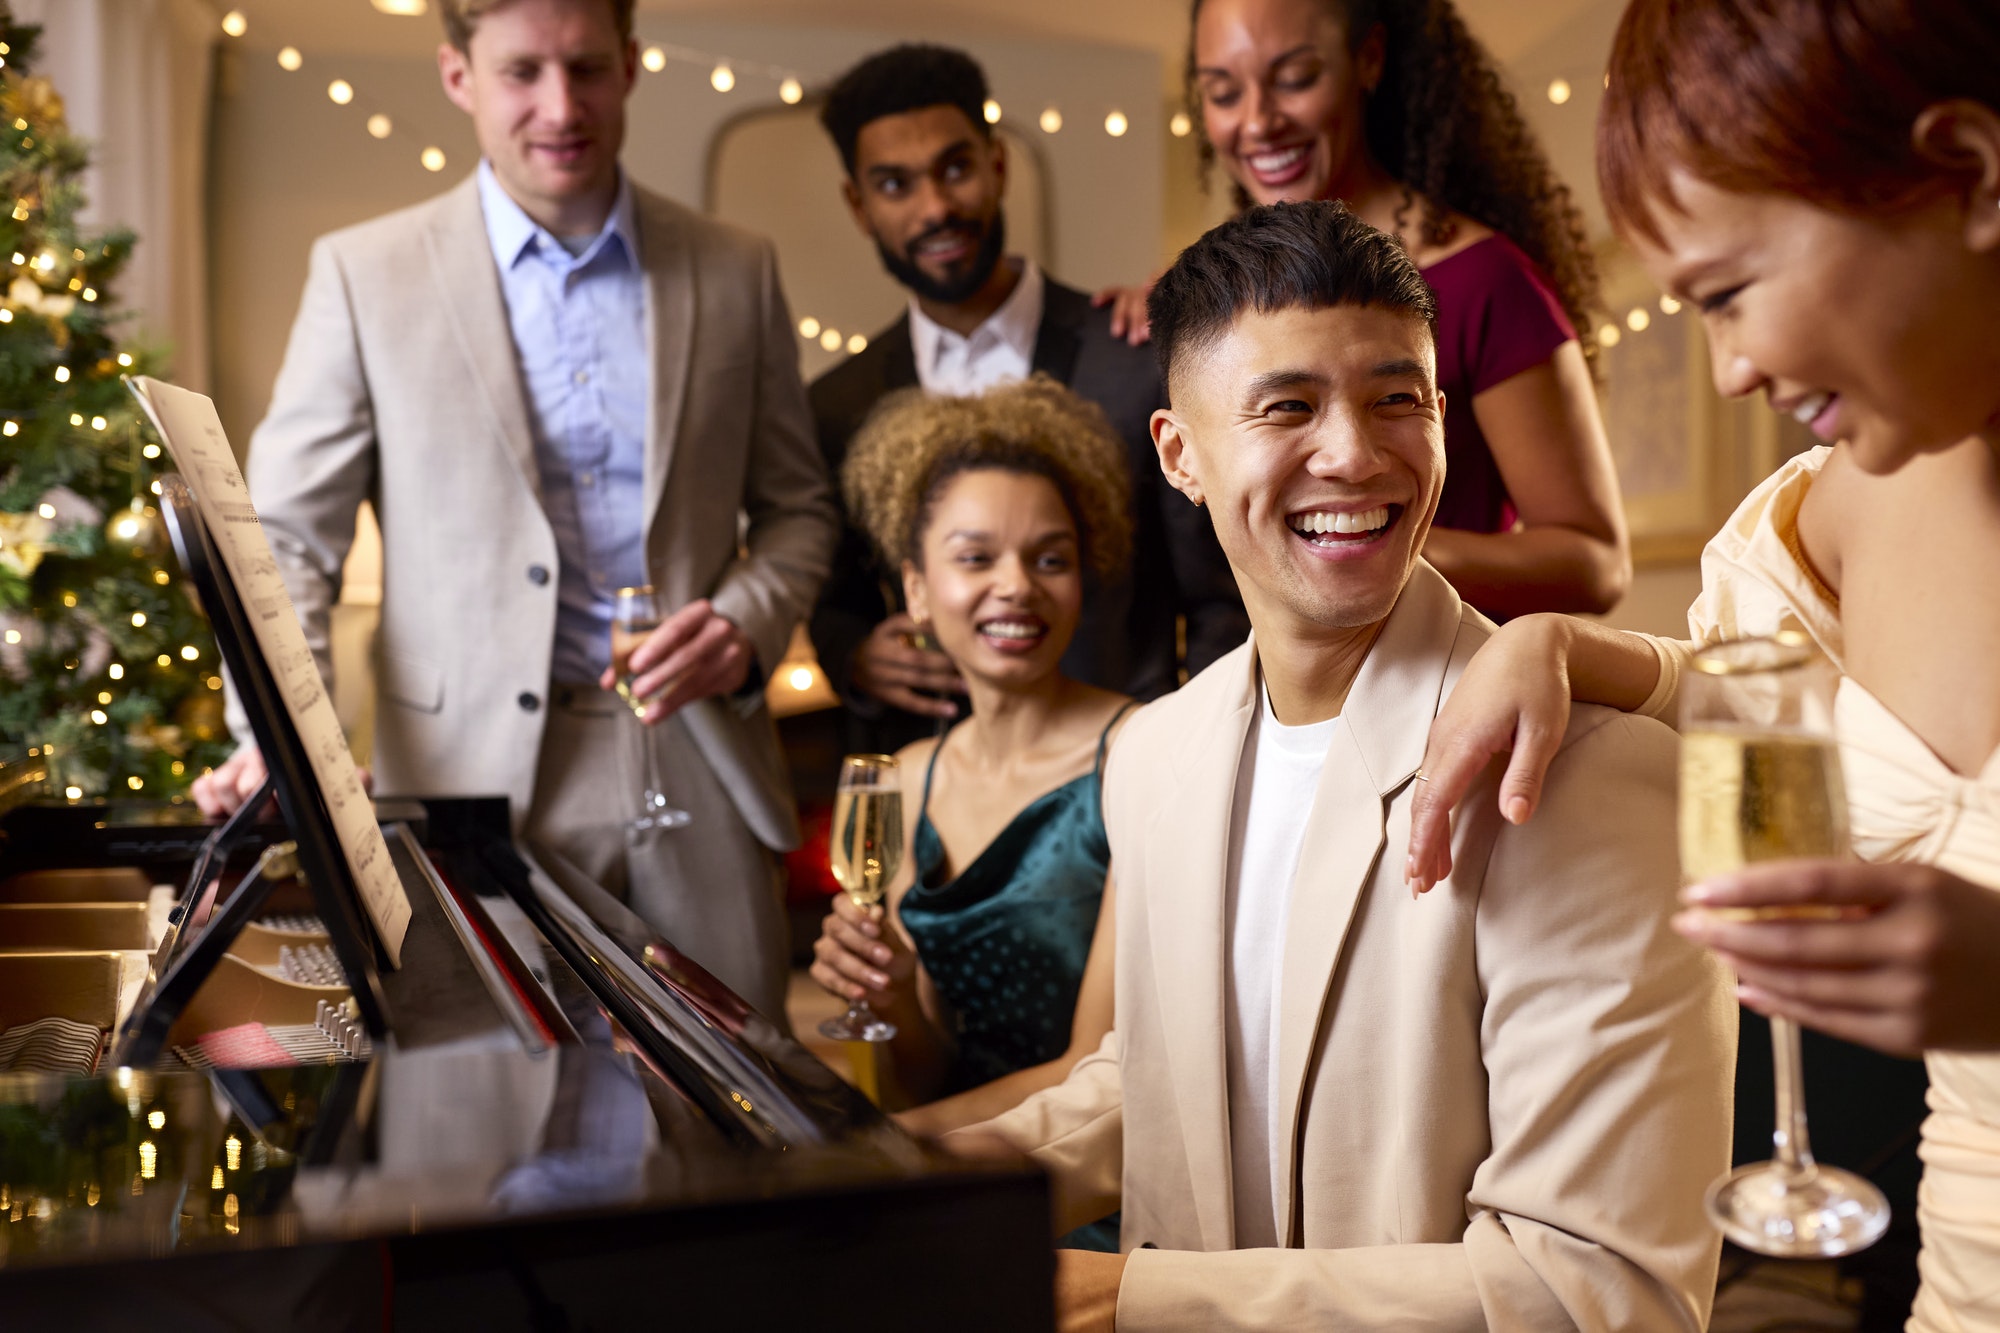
(1444, 125)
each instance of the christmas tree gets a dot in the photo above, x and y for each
(106, 665)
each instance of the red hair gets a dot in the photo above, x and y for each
(1814, 98)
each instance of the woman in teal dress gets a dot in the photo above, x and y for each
(989, 958)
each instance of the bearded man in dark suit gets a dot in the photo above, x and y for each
(925, 177)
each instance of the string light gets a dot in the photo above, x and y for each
(1669, 306)
(380, 126)
(289, 59)
(991, 110)
(116, 671)
(1115, 124)
(432, 158)
(1637, 319)
(161, 577)
(830, 340)
(1559, 91)
(135, 783)
(76, 418)
(856, 345)
(90, 293)
(1051, 120)
(125, 358)
(98, 716)
(73, 793)
(98, 423)
(340, 92)
(104, 696)
(189, 652)
(138, 620)
(13, 636)
(808, 327)
(163, 660)
(234, 23)
(62, 374)
(11, 428)
(1608, 336)
(654, 59)
(1180, 126)
(722, 78)
(407, 9)
(791, 91)
(151, 451)
(46, 510)
(6, 317)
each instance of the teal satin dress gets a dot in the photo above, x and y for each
(1006, 941)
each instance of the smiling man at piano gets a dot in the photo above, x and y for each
(1327, 1104)
(552, 384)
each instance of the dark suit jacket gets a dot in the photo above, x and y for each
(1127, 638)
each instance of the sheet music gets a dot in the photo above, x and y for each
(193, 434)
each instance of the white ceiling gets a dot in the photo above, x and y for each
(1509, 27)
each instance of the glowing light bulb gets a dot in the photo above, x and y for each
(73, 793)
(115, 671)
(1637, 319)
(1051, 120)
(190, 652)
(6, 317)
(289, 59)
(46, 510)
(432, 158)
(830, 339)
(11, 428)
(97, 716)
(124, 358)
(90, 293)
(722, 78)
(13, 636)
(856, 345)
(151, 451)
(98, 423)
(991, 110)
(234, 23)
(791, 91)
(135, 783)
(62, 374)
(340, 92)
(801, 679)
(1559, 91)
(1180, 126)
(1608, 336)
(1115, 124)
(1669, 306)
(653, 58)
(808, 327)
(380, 126)
(138, 620)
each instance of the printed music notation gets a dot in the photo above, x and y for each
(193, 434)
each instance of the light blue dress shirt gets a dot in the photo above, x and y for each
(579, 326)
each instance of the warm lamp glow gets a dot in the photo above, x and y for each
(791, 91)
(340, 92)
(432, 158)
(1051, 121)
(991, 110)
(857, 345)
(1559, 91)
(234, 23)
(380, 125)
(1180, 126)
(654, 59)
(808, 327)
(830, 340)
(1115, 124)
(289, 59)
(722, 78)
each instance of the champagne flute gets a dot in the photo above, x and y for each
(1760, 781)
(866, 847)
(635, 615)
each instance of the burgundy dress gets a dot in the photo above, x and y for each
(1497, 316)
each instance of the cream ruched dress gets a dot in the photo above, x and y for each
(1905, 804)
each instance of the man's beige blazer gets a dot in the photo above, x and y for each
(400, 385)
(1500, 1103)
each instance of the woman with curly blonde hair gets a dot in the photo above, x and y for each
(993, 508)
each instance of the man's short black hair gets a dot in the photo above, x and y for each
(1313, 255)
(903, 78)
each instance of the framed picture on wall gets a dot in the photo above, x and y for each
(1685, 455)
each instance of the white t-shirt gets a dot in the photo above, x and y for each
(1001, 349)
(1274, 798)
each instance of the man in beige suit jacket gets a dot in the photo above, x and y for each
(1326, 1103)
(405, 384)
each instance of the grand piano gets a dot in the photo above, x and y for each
(226, 1109)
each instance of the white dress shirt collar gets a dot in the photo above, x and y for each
(1002, 347)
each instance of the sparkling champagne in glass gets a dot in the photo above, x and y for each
(1760, 781)
(635, 615)
(866, 851)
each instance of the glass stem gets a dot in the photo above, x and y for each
(651, 768)
(1793, 1149)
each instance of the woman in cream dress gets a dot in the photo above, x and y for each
(1822, 181)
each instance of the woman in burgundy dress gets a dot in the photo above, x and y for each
(1397, 110)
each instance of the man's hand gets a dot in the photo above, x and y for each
(695, 654)
(889, 666)
(224, 789)
(1087, 1290)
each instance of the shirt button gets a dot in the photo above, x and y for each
(529, 703)
(538, 575)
